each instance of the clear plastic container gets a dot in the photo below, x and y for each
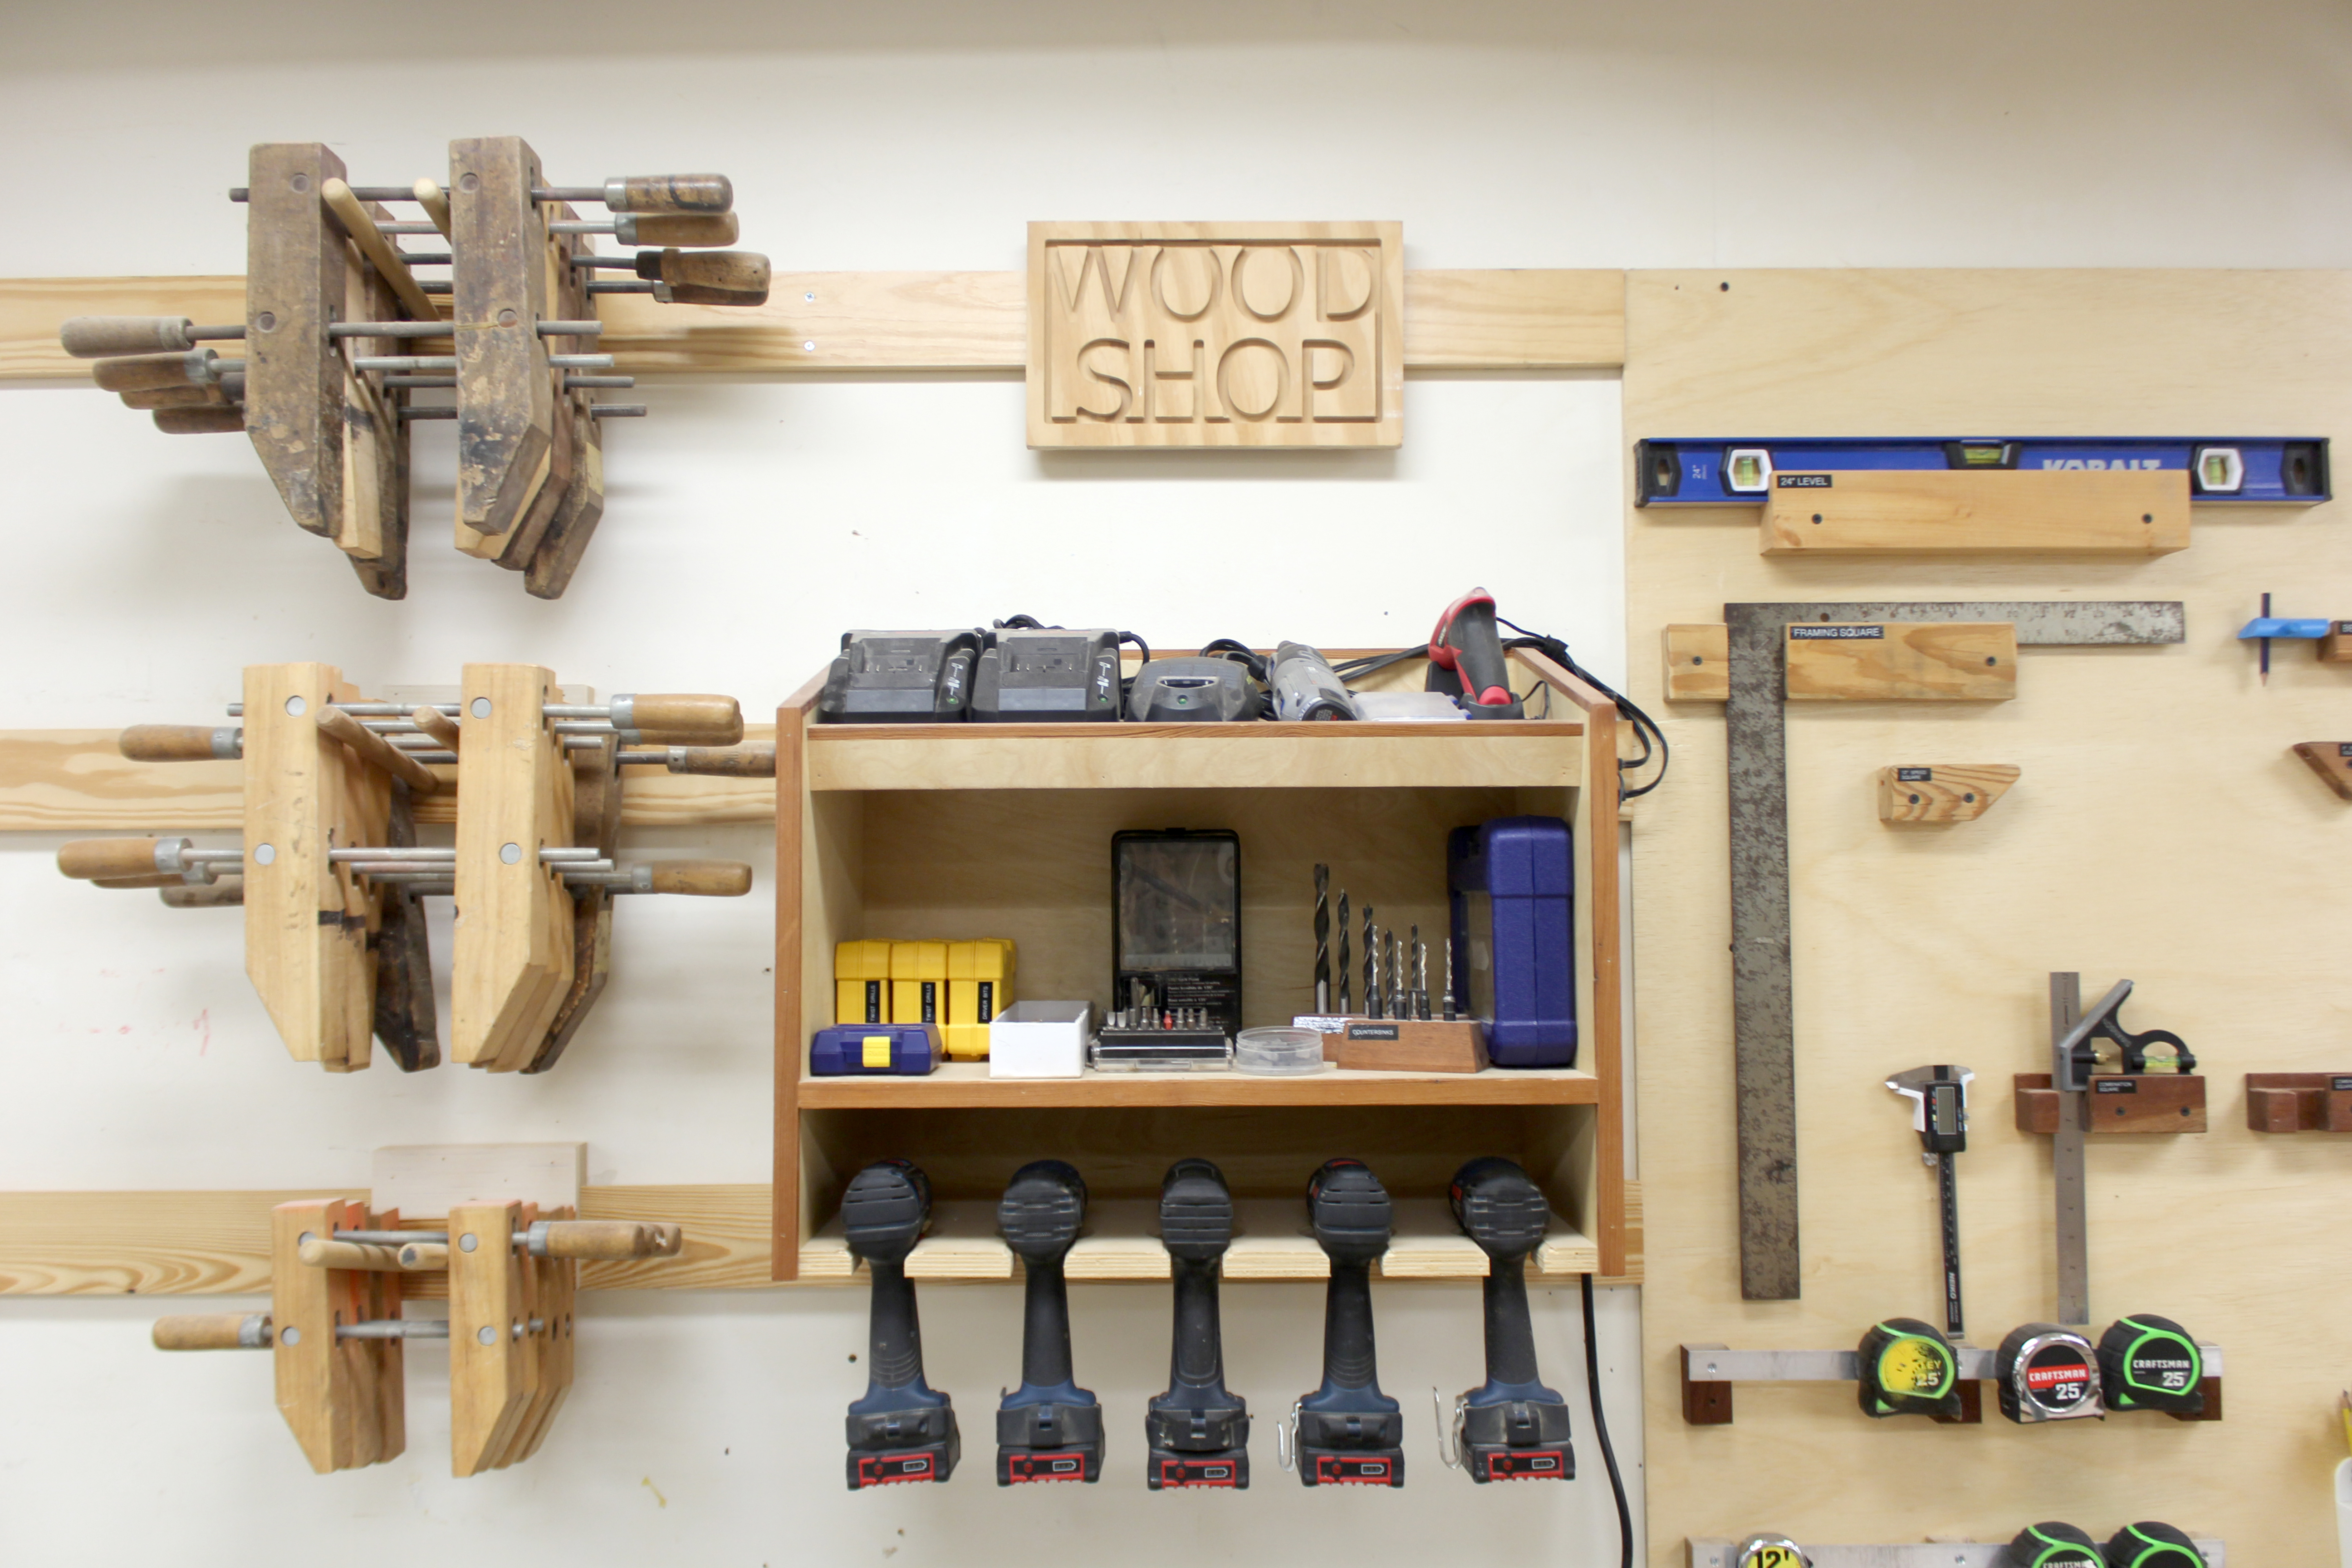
(1279, 1052)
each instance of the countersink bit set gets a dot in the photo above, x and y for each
(1346, 1432)
(341, 335)
(330, 872)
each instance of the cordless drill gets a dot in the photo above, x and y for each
(902, 1430)
(1198, 1431)
(1048, 1429)
(1512, 1428)
(1349, 1433)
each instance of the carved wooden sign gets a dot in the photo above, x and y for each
(1216, 334)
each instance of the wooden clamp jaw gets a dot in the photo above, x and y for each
(333, 436)
(343, 1396)
(530, 475)
(319, 939)
(514, 964)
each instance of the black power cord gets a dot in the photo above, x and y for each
(1652, 739)
(1600, 1422)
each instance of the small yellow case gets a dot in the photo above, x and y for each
(919, 980)
(861, 974)
(979, 987)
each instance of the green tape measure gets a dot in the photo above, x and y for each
(1908, 1368)
(2054, 1544)
(2151, 1544)
(2147, 1362)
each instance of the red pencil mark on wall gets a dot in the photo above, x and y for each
(205, 1028)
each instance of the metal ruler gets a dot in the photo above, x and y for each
(2073, 1230)
(1763, 1021)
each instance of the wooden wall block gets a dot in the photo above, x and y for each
(1198, 334)
(2332, 760)
(2299, 1102)
(1921, 661)
(2120, 1102)
(1943, 791)
(1995, 512)
(1698, 663)
(2336, 647)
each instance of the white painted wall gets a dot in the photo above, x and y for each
(749, 523)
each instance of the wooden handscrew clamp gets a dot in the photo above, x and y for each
(336, 1332)
(341, 335)
(330, 874)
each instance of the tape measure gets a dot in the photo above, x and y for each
(2147, 1362)
(1908, 1368)
(2053, 1544)
(2047, 1373)
(1770, 1551)
(2150, 1544)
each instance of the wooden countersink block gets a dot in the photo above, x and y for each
(1990, 512)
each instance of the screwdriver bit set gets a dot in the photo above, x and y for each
(342, 334)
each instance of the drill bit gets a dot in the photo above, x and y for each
(1344, 1008)
(1420, 977)
(1371, 967)
(1449, 977)
(1322, 939)
(1397, 1003)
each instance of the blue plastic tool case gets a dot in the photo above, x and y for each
(909, 1050)
(1512, 884)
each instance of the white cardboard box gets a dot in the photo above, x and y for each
(1039, 1039)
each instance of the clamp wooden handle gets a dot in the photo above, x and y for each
(438, 725)
(226, 893)
(703, 878)
(749, 763)
(421, 1256)
(173, 742)
(684, 718)
(676, 228)
(154, 399)
(707, 276)
(110, 859)
(320, 1253)
(600, 1238)
(136, 373)
(669, 1239)
(201, 421)
(375, 750)
(155, 879)
(213, 1332)
(670, 194)
(103, 337)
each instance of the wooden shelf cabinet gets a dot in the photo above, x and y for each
(967, 830)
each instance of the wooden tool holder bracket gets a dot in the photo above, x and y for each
(2117, 1103)
(1710, 1372)
(2299, 1102)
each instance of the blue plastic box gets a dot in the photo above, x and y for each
(1512, 885)
(845, 1049)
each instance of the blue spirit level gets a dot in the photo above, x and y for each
(1736, 473)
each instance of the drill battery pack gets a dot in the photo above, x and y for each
(1517, 1440)
(1172, 1468)
(887, 1448)
(1197, 1447)
(1351, 1448)
(1351, 1466)
(1052, 1442)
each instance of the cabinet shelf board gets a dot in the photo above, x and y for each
(1271, 1242)
(967, 1084)
(1193, 756)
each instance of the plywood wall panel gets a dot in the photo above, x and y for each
(2169, 836)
